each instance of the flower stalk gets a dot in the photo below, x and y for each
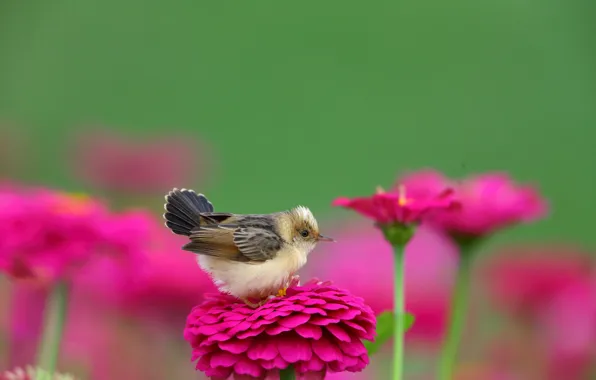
(55, 318)
(398, 235)
(459, 308)
(399, 312)
(287, 374)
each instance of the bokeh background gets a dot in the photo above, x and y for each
(266, 105)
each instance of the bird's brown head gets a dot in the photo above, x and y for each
(305, 226)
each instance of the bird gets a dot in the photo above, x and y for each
(252, 257)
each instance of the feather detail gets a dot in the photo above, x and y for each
(258, 244)
(216, 241)
(184, 209)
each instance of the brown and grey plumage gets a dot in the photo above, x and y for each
(247, 255)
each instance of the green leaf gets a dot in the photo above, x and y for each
(385, 330)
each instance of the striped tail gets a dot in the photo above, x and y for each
(183, 209)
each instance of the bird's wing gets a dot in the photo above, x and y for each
(257, 244)
(215, 240)
(233, 242)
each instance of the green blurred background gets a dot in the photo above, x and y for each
(306, 101)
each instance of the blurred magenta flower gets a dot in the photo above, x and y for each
(430, 263)
(32, 373)
(554, 288)
(127, 243)
(396, 207)
(569, 330)
(99, 350)
(161, 289)
(47, 235)
(169, 285)
(316, 328)
(25, 322)
(488, 202)
(116, 163)
(525, 279)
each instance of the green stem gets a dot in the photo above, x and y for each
(287, 374)
(55, 316)
(459, 307)
(398, 312)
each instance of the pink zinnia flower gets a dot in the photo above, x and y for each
(488, 202)
(116, 163)
(32, 373)
(47, 235)
(316, 328)
(396, 207)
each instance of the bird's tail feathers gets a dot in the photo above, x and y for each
(183, 210)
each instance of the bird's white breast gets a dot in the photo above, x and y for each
(254, 280)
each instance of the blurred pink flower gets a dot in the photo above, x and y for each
(362, 253)
(527, 278)
(47, 235)
(155, 297)
(27, 303)
(116, 163)
(167, 286)
(316, 328)
(127, 242)
(569, 330)
(488, 202)
(396, 207)
(94, 341)
(44, 234)
(554, 289)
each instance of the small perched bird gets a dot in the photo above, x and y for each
(250, 256)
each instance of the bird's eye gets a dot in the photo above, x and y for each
(304, 233)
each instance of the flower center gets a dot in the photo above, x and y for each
(402, 200)
(73, 204)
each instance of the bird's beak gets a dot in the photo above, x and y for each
(325, 238)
